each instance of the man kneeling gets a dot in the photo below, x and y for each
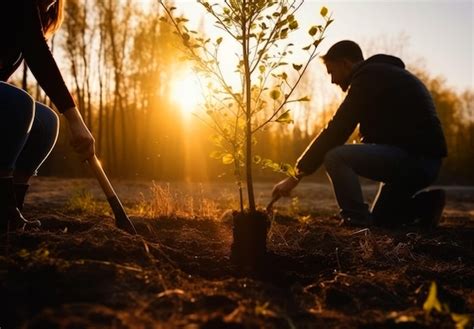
(402, 142)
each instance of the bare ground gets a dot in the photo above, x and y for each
(79, 271)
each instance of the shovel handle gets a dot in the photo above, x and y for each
(121, 219)
(99, 173)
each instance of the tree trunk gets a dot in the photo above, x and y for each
(248, 112)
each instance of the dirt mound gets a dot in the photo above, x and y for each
(83, 272)
(79, 271)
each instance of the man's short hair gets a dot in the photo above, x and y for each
(345, 49)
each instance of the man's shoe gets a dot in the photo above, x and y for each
(358, 221)
(428, 207)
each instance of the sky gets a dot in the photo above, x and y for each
(436, 34)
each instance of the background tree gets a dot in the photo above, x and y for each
(260, 30)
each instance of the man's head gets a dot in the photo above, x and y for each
(340, 60)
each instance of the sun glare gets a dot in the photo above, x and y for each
(186, 92)
(145, 3)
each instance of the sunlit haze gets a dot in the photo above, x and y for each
(186, 92)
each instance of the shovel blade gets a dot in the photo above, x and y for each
(121, 219)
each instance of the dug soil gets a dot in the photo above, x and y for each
(79, 271)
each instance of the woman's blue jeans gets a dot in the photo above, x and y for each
(401, 175)
(28, 131)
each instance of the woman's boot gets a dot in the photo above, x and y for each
(20, 192)
(10, 217)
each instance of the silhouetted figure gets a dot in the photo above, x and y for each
(402, 142)
(28, 129)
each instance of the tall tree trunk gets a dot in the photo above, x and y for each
(248, 111)
(101, 95)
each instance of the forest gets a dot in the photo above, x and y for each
(122, 64)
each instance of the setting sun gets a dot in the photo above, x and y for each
(186, 92)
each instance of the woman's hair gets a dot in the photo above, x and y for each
(52, 17)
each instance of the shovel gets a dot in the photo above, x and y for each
(121, 219)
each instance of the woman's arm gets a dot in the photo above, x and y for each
(43, 66)
(40, 60)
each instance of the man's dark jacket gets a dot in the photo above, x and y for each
(392, 106)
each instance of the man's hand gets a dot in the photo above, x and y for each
(81, 138)
(284, 187)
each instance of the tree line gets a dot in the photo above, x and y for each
(119, 61)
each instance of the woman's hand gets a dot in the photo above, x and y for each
(82, 140)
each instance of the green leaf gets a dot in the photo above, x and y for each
(227, 158)
(262, 68)
(215, 155)
(275, 166)
(275, 94)
(297, 67)
(287, 169)
(219, 40)
(291, 171)
(432, 301)
(293, 25)
(266, 163)
(313, 30)
(216, 139)
(307, 47)
(304, 99)
(317, 42)
(324, 11)
(285, 118)
(461, 320)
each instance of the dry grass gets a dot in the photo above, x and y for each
(83, 201)
(166, 201)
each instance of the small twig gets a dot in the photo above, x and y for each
(170, 292)
(365, 230)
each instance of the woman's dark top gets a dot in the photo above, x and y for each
(21, 37)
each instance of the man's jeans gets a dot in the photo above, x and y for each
(28, 130)
(401, 176)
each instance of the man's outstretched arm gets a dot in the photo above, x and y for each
(336, 133)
